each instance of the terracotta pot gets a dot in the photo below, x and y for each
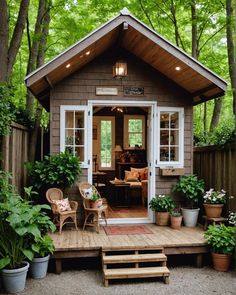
(162, 218)
(213, 210)
(221, 262)
(175, 222)
(96, 204)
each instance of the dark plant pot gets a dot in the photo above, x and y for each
(39, 267)
(14, 279)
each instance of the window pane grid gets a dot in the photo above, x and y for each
(169, 136)
(74, 133)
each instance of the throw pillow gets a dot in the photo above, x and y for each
(142, 172)
(88, 192)
(131, 174)
(63, 205)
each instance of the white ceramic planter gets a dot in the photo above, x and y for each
(190, 216)
(14, 279)
(39, 267)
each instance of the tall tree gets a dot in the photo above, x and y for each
(37, 50)
(9, 47)
(231, 46)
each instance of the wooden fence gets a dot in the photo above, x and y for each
(15, 154)
(217, 166)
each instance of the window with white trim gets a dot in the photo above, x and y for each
(73, 135)
(134, 132)
(107, 127)
(170, 136)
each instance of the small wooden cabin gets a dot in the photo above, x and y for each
(122, 100)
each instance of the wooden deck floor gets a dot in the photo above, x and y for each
(89, 243)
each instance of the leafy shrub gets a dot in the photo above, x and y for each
(162, 203)
(60, 170)
(22, 226)
(221, 238)
(6, 113)
(191, 188)
(223, 134)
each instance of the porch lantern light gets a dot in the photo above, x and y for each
(120, 69)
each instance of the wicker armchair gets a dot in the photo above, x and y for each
(60, 218)
(92, 216)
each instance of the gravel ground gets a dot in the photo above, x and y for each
(183, 280)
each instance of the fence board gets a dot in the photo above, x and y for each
(217, 166)
(15, 154)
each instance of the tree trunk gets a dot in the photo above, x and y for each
(216, 113)
(230, 23)
(33, 51)
(43, 21)
(4, 35)
(194, 30)
(205, 118)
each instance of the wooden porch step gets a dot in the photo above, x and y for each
(136, 263)
(154, 257)
(143, 272)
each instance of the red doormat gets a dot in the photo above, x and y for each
(127, 230)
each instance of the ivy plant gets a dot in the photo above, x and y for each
(7, 114)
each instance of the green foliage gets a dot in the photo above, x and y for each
(6, 113)
(176, 213)
(43, 247)
(221, 238)
(22, 226)
(162, 203)
(61, 170)
(191, 188)
(223, 134)
(94, 197)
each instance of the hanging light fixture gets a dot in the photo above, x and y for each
(119, 69)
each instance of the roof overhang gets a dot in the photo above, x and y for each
(127, 31)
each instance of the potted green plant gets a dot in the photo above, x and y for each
(60, 170)
(18, 234)
(162, 205)
(176, 219)
(221, 239)
(192, 189)
(95, 200)
(214, 202)
(42, 248)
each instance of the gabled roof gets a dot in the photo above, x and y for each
(133, 35)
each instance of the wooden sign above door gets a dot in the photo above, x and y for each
(131, 90)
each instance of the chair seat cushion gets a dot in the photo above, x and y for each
(134, 184)
(63, 205)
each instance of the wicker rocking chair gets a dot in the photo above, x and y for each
(60, 218)
(92, 216)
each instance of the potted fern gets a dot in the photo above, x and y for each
(192, 189)
(176, 219)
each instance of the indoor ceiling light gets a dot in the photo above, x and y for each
(119, 69)
(119, 109)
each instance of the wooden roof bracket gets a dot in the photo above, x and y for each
(203, 90)
(48, 81)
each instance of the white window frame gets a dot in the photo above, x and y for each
(180, 162)
(126, 131)
(63, 109)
